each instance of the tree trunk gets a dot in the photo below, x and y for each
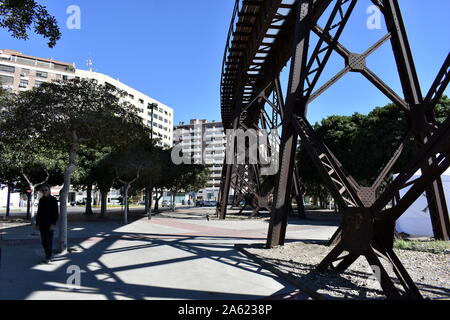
(301, 208)
(96, 197)
(156, 210)
(89, 211)
(104, 200)
(64, 195)
(8, 201)
(174, 195)
(148, 202)
(33, 197)
(28, 206)
(125, 200)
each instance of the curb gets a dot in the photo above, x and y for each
(284, 275)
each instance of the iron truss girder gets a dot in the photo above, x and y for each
(254, 58)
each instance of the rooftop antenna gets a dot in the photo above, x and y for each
(89, 64)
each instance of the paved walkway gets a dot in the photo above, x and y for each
(166, 258)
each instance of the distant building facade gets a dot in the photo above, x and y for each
(155, 114)
(19, 72)
(205, 143)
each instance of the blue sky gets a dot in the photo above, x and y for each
(173, 50)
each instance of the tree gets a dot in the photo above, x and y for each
(363, 144)
(128, 165)
(84, 177)
(150, 173)
(104, 175)
(19, 16)
(185, 177)
(25, 162)
(72, 114)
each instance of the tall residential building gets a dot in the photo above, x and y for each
(205, 143)
(19, 72)
(154, 113)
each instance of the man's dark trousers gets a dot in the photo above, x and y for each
(46, 217)
(47, 241)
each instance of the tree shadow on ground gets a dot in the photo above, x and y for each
(94, 249)
(335, 285)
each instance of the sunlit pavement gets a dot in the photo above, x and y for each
(183, 257)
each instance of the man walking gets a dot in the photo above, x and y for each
(46, 219)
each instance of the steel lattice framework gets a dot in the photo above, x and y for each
(264, 36)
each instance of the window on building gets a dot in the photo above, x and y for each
(24, 72)
(110, 86)
(41, 74)
(5, 80)
(43, 64)
(23, 84)
(8, 69)
(141, 101)
(30, 62)
(37, 84)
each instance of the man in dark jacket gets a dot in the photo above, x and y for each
(46, 219)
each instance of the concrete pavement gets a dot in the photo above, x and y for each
(183, 257)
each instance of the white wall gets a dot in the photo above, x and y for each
(15, 198)
(416, 220)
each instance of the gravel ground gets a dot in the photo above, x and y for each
(429, 271)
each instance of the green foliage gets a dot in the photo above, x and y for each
(80, 111)
(423, 246)
(363, 144)
(89, 159)
(22, 160)
(19, 16)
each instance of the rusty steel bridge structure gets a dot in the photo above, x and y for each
(264, 36)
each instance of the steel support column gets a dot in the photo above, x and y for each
(280, 210)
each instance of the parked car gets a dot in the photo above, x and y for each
(210, 203)
(166, 203)
(213, 203)
(200, 203)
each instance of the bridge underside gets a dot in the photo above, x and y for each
(264, 36)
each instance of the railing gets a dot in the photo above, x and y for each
(229, 38)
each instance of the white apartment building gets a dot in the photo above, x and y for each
(19, 72)
(205, 143)
(154, 113)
